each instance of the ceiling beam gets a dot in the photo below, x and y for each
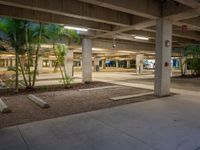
(192, 35)
(171, 11)
(152, 35)
(123, 45)
(138, 26)
(47, 17)
(88, 15)
(77, 10)
(31, 15)
(194, 21)
(144, 8)
(191, 13)
(189, 3)
(129, 37)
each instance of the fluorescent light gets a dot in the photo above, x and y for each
(76, 28)
(141, 38)
(127, 52)
(98, 49)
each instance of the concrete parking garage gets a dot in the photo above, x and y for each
(132, 29)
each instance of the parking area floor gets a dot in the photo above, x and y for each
(170, 123)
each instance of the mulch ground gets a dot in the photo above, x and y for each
(41, 89)
(65, 102)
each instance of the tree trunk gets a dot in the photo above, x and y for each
(29, 68)
(16, 70)
(36, 55)
(22, 70)
(29, 58)
(59, 65)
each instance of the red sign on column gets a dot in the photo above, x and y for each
(184, 28)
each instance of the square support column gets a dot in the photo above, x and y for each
(128, 64)
(117, 63)
(13, 62)
(139, 63)
(68, 62)
(103, 63)
(86, 60)
(183, 65)
(163, 57)
(96, 64)
(40, 64)
(9, 63)
(50, 64)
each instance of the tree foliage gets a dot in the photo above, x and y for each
(57, 34)
(26, 38)
(192, 52)
(14, 29)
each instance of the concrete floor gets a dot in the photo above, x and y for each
(170, 123)
(126, 77)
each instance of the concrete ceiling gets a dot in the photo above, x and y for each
(114, 18)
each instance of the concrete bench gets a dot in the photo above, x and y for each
(100, 88)
(130, 96)
(41, 103)
(3, 107)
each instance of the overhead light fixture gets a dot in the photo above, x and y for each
(98, 49)
(76, 28)
(141, 38)
(114, 42)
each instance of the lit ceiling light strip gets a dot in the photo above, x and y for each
(141, 38)
(76, 28)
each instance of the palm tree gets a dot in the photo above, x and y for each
(56, 33)
(14, 29)
(192, 52)
(34, 36)
(39, 33)
(60, 52)
(26, 38)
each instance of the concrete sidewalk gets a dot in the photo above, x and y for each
(170, 123)
(150, 87)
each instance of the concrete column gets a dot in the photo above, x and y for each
(86, 60)
(96, 64)
(128, 64)
(117, 64)
(69, 63)
(184, 65)
(163, 57)
(1, 64)
(104, 63)
(80, 63)
(13, 62)
(50, 64)
(9, 63)
(139, 63)
(40, 64)
(4, 63)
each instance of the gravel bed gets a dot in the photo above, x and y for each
(66, 102)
